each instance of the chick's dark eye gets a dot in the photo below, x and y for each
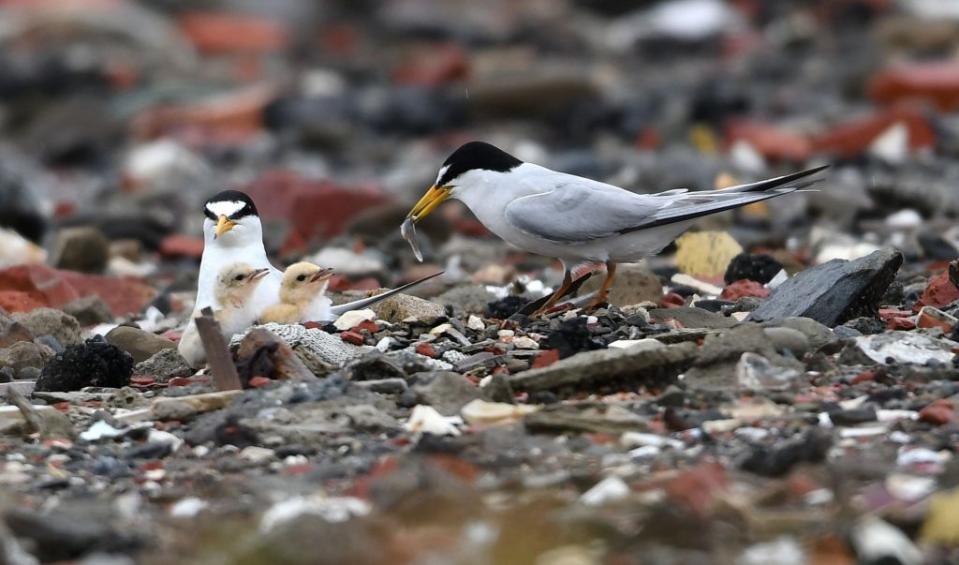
(301, 278)
(238, 277)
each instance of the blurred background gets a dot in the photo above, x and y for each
(334, 116)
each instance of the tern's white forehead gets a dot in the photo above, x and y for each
(441, 173)
(225, 207)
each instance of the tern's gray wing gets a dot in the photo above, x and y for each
(580, 210)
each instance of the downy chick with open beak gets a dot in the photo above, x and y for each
(575, 219)
(235, 288)
(302, 296)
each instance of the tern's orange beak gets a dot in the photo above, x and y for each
(223, 225)
(321, 275)
(433, 198)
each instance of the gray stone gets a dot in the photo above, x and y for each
(755, 372)
(400, 307)
(788, 339)
(905, 347)
(817, 334)
(622, 368)
(470, 299)
(83, 249)
(25, 355)
(634, 284)
(716, 366)
(140, 344)
(89, 310)
(692, 317)
(49, 321)
(12, 331)
(446, 391)
(835, 291)
(164, 365)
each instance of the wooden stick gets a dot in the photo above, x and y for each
(217, 353)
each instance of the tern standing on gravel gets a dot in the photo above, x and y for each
(576, 219)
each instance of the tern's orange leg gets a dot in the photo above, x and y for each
(603, 293)
(567, 281)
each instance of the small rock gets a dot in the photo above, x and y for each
(905, 347)
(470, 299)
(788, 339)
(940, 292)
(12, 331)
(349, 320)
(692, 317)
(634, 284)
(141, 345)
(475, 323)
(164, 365)
(817, 335)
(401, 306)
(754, 267)
(83, 249)
(482, 413)
(445, 391)
(743, 288)
(426, 420)
(833, 292)
(89, 310)
(877, 541)
(610, 489)
(25, 355)
(706, 254)
(755, 372)
(52, 322)
(524, 342)
(930, 317)
(621, 368)
(93, 363)
(257, 455)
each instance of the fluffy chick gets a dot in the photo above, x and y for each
(235, 285)
(302, 295)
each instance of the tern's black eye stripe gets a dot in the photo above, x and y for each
(209, 214)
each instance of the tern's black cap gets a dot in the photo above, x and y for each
(230, 203)
(476, 155)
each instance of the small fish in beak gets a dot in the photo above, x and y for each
(408, 230)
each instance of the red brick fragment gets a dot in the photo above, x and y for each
(259, 382)
(940, 292)
(212, 32)
(937, 83)
(352, 337)
(851, 139)
(181, 246)
(546, 358)
(425, 348)
(938, 413)
(772, 142)
(743, 288)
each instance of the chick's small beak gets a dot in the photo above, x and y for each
(259, 274)
(433, 198)
(321, 275)
(223, 225)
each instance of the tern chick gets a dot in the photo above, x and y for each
(575, 219)
(302, 295)
(235, 287)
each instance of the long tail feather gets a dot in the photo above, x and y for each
(364, 302)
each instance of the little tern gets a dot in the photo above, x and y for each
(575, 219)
